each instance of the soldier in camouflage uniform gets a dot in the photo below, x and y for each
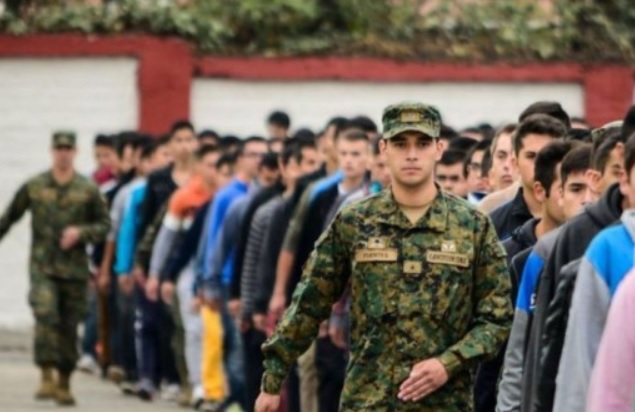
(429, 290)
(67, 212)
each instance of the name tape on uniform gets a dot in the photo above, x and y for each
(455, 259)
(376, 255)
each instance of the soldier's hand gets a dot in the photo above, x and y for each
(338, 336)
(425, 378)
(167, 292)
(267, 402)
(152, 288)
(70, 237)
(196, 304)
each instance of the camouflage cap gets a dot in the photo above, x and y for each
(411, 117)
(64, 139)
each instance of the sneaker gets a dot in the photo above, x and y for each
(198, 397)
(145, 390)
(116, 374)
(88, 364)
(128, 388)
(171, 393)
(211, 406)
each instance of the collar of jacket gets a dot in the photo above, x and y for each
(519, 206)
(387, 211)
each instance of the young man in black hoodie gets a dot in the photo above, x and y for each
(543, 355)
(534, 133)
(574, 193)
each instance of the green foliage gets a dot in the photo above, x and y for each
(483, 30)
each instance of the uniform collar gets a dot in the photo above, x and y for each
(436, 218)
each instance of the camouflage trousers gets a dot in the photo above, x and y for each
(58, 306)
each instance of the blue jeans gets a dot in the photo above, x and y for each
(234, 357)
(89, 340)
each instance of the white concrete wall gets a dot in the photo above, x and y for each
(241, 107)
(38, 96)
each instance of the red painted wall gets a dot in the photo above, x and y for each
(168, 66)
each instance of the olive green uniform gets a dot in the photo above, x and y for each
(59, 278)
(435, 289)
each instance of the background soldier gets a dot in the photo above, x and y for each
(67, 213)
(429, 294)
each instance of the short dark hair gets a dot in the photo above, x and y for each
(289, 150)
(304, 133)
(482, 146)
(304, 144)
(549, 108)
(180, 125)
(270, 161)
(462, 143)
(629, 155)
(538, 124)
(141, 140)
(163, 140)
(547, 162)
(211, 134)
(226, 159)
(337, 121)
(354, 135)
(603, 151)
(250, 139)
(104, 140)
(279, 118)
(576, 161)
(447, 133)
(365, 123)
(204, 150)
(124, 140)
(581, 135)
(451, 157)
(228, 141)
(148, 150)
(486, 163)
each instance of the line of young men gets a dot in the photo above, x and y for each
(567, 254)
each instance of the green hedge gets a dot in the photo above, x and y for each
(485, 30)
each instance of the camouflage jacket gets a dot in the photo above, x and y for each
(437, 289)
(55, 207)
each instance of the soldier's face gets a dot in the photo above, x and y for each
(63, 157)
(411, 157)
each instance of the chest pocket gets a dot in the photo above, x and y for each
(438, 286)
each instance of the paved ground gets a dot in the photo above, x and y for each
(18, 381)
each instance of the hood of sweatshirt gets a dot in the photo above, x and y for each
(608, 209)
